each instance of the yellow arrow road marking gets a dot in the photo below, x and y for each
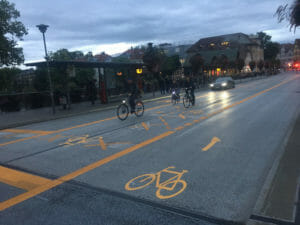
(145, 126)
(102, 144)
(165, 123)
(213, 141)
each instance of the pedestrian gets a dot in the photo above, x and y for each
(92, 91)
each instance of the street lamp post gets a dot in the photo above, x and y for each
(43, 29)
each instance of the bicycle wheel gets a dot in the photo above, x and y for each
(122, 111)
(139, 182)
(139, 108)
(171, 195)
(186, 101)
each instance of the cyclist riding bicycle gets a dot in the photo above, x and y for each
(190, 86)
(133, 94)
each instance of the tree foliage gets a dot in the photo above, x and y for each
(290, 13)
(271, 49)
(7, 79)
(170, 64)
(197, 62)
(11, 30)
(153, 58)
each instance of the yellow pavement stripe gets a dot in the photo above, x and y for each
(102, 144)
(54, 137)
(213, 141)
(22, 197)
(51, 184)
(21, 139)
(145, 126)
(181, 116)
(19, 131)
(21, 180)
(165, 123)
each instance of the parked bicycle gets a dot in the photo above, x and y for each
(123, 109)
(188, 100)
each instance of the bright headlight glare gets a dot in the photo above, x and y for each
(224, 84)
(124, 101)
(211, 85)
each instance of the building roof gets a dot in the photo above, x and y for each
(103, 57)
(222, 42)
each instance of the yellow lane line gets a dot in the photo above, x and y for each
(165, 123)
(51, 184)
(19, 131)
(145, 126)
(213, 141)
(102, 144)
(22, 197)
(21, 180)
(54, 137)
(179, 128)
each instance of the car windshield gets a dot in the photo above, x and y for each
(222, 79)
(156, 112)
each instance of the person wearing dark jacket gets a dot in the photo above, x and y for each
(190, 85)
(133, 93)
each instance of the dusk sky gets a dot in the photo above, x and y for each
(114, 25)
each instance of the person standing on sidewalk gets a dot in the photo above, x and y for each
(92, 91)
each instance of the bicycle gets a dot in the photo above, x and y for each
(169, 185)
(175, 98)
(123, 109)
(187, 98)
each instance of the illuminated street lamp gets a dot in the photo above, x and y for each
(43, 29)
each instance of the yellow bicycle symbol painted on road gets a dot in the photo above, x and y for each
(167, 189)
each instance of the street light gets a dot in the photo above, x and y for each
(43, 29)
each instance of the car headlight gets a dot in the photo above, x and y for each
(211, 85)
(224, 84)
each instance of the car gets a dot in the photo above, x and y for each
(222, 83)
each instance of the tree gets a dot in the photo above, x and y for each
(170, 64)
(271, 49)
(197, 62)
(7, 79)
(11, 30)
(240, 63)
(153, 58)
(260, 65)
(290, 13)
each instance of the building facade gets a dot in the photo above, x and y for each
(286, 55)
(297, 51)
(221, 54)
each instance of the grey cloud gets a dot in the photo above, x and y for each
(80, 23)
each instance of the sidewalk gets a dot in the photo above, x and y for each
(21, 118)
(279, 203)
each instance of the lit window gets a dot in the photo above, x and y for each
(225, 43)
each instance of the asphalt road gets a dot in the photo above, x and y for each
(201, 165)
